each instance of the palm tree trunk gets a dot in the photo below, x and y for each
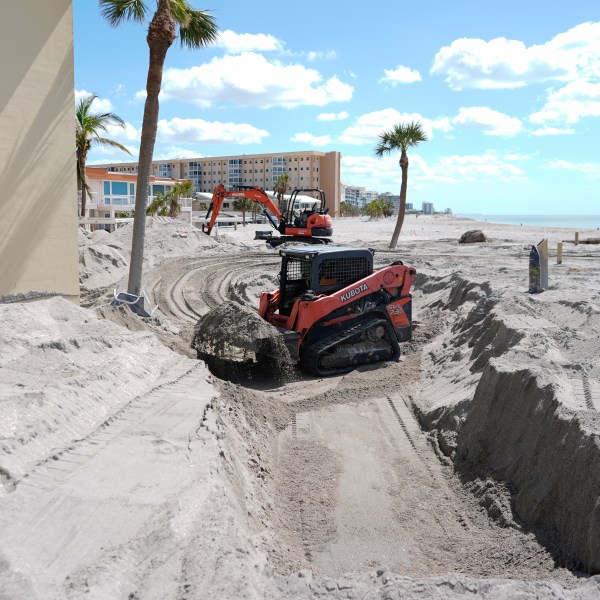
(402, 208)
(82, 161)
(83, 198)
(161, 34)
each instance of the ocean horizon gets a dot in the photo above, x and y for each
(566, 221)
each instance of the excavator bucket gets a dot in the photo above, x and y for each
(237, 343)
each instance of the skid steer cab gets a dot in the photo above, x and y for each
(337, 312)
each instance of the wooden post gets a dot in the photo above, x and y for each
(559, 251)
(543, 250)
(577, 238)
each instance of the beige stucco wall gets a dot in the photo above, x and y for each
(330, 181)
(38, 198)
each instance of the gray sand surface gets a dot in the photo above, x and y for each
(469, 467)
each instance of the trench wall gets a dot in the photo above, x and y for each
(499, 407)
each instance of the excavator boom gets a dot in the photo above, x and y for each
(256, 194)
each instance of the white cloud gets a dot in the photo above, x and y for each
(99, 105)
(249, 79)
(490, 121)
(341, 116)
(176, 152)
(123, 134)
(200, 131)
(504, 63)
(118, 90)
(400, 74)
(235, 43)
(570, 104)
(369, 126)
(552, 131)
(313, 55)
(590, 170)
(384, 174)
(475, 168)
(312, 140)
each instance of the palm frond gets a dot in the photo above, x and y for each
(199, 30)
(111, 143)
(400, 137)
(117, 11)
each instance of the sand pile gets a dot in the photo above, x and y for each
(104, 257)
(236, 342)
(64, 373)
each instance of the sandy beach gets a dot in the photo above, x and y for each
(470, 466)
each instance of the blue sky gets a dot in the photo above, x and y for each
(508, 92)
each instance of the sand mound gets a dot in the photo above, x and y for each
(65, 371)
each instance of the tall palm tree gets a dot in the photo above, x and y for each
(88, 131)
(196, 29)
(400, 137)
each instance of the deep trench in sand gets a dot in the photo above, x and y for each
(462, 457)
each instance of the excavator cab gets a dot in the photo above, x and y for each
(299, 210)
(307, 271)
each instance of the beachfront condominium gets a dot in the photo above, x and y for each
(305, 170)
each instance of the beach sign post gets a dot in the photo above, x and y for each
(538, 267)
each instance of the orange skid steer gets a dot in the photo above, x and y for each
(331, 313)
(337, 313)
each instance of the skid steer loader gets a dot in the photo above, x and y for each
(331, 313)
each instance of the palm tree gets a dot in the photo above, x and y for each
(280, 188)
(400, 137)
(89, 128)
(158, 207)
(373, 209)
(387, 206)
(169, 205)
(196, 29)
(243, 204)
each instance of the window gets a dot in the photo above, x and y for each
(119, 188)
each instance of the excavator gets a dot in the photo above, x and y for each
(312, 225)
(331, 313)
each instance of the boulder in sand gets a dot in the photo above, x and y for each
(472, 236)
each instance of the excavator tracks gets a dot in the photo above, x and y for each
(369, 341)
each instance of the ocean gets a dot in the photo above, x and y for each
(570, 221)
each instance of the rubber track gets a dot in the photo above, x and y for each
(311, 354)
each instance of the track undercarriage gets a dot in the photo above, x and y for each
(369, 341)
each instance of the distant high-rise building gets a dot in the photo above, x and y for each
(427, 208)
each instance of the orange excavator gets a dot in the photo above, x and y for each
(312, 225)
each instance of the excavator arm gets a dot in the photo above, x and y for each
(256, 194)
